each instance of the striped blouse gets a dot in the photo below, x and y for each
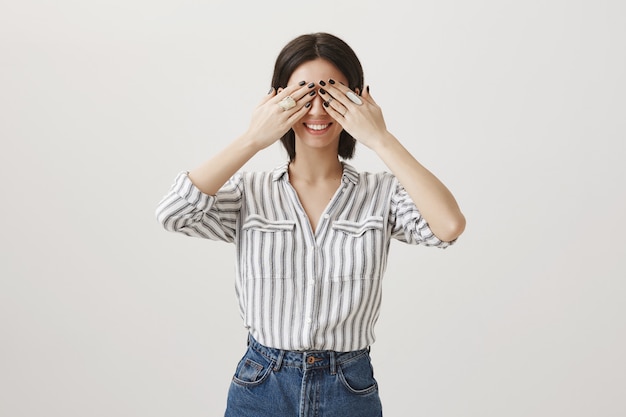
(298, 289)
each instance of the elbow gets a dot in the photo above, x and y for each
(452, 230)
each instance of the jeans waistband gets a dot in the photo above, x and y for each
(314, 359)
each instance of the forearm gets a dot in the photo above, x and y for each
(432, 198)
(210, 176)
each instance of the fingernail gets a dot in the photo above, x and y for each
(331, 81)
(368, 88)
(312, 93)
(307, 105)
(322, 91)
(271, 89)
(311, 85)
(325, 104)
(322, 83)
(301, 83)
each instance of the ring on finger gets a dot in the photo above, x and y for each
(287, 103)
(353, 98)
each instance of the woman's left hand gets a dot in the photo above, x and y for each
(363, 121)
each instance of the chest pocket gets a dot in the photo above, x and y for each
(264, 225)
(267, 248)
(360, 247)
(357, 229)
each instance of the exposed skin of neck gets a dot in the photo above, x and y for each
(315, 166)
(315, 174)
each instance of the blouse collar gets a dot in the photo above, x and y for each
(350, 174)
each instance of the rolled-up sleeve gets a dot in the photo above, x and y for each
(407, 223)
(185, 209)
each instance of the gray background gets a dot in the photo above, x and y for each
(517, 106)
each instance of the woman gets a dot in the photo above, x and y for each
(311, 236)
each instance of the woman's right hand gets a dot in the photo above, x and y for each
(270, 122)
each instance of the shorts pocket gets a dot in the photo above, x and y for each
(252, 369)
(357, 375)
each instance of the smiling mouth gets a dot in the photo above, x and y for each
(317, 127)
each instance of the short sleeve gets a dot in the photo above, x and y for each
(185, 209)
(407, 223)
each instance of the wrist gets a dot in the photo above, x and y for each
(384, 142)
(249, 143)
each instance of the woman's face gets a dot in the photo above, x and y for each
(317, 129)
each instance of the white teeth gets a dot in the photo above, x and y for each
(317, 127)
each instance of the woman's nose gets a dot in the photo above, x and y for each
(317, 104)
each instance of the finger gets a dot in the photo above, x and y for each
(307, 97)
(305, 90)
(338, 98)
(268, 96)
(337, 106)
(290, 106)
(299, 114)
(292, 98)
(303, 106)
(334, 113)
(345, 92)
(296, 91)
(367, 96)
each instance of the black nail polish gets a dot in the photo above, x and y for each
(311, 85)
(322, 83)
(331, 81)
(325, 104)
(322, 91)
(312, 93)
(307, 105)
(301, 83)
(368, 88)
(270, 92)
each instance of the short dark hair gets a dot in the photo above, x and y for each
(309, 47)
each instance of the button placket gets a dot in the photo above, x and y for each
(310, 297)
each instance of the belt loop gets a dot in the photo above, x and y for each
(333, 363)
(279, 360)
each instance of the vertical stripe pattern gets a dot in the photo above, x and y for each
(298, 289)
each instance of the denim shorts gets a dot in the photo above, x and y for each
(271, 382)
